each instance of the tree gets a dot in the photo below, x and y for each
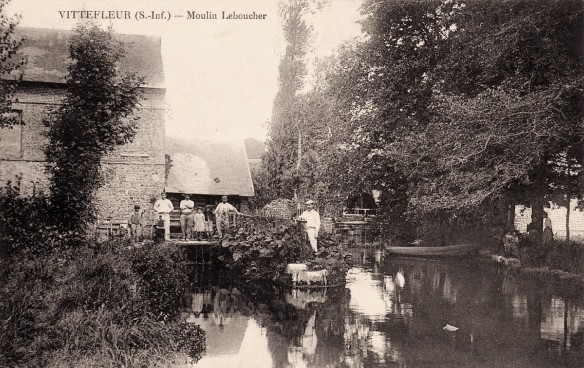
(467, 104)
(287, 134)
(9, 46)
(94, 118)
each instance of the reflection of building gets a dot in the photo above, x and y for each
(367, 295)
(301, 298)
(242, 343)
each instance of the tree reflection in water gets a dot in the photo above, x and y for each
(392, 314)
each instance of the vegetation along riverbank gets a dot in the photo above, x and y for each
(262, 248)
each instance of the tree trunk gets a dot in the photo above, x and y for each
(299, 150)
(567, 218)
(537, 199)
(511, 216)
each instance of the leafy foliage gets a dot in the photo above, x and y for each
(455, 108)
(98, 305)
(301, 130)
(9, 46)
(560, 255)
(26, 224)
(93, 120)
(262, 248)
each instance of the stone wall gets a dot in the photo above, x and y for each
(133, 173)
(557, 215)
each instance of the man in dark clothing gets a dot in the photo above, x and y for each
(135, 223)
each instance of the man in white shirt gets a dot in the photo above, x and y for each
(186, 217)
(164, 207)
(311, 220)
(222, 215)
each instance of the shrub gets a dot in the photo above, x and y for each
(261, 249)
(25, 224)
(561, 255)
(163, 278)
(566, 256)
(99, 305)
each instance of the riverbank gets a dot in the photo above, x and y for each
(515, 264)
(99, 304)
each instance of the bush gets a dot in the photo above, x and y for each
(27, 226)
(566, 256)
(561, 255)
(163, 278)
(98, 305)
(262, 248)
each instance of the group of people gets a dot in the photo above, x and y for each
(200, 223)
(195, 223)
(535, 233)
(538, 233)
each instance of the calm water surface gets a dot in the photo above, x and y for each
(393, 313)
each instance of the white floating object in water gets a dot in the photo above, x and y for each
(450, 328)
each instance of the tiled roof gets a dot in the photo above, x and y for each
(208, 167)
(47, 51)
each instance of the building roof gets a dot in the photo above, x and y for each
(208, 167)
(47, 52)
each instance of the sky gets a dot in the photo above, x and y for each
(221, 75)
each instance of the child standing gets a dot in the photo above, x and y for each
(199, 223)
(210, 217)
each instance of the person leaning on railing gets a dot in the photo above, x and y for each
(222, 215)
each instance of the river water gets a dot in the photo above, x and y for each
(396, 312)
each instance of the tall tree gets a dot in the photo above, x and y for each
(9, 45)
(287, 136)
(94, 118)
(468, 103)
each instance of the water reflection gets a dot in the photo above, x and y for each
(392, 314)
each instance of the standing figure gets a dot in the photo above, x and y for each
(533, 231)
(186, 217)
(164, 207)
(199, 223)
(311, 220)
(135, 222)
(210, 217)
(547, 237)
(222, 215)
(150, 220)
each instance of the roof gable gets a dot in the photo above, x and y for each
(208, 167)
(47, 51)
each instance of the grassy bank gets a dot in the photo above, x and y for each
(99, 305)
(560, 255)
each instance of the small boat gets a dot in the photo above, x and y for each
(191, 243)
(445, 251)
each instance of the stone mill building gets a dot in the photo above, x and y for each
(135, 172)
